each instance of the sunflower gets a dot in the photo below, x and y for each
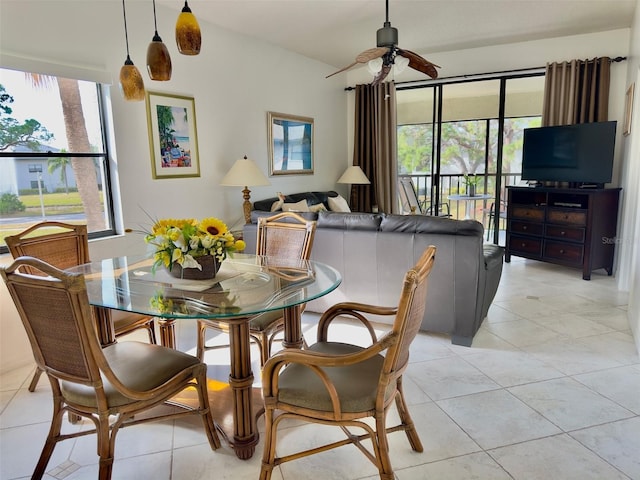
(213, 226)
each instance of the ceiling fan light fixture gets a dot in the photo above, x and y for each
(374, 65)
(400, 64)
(188, 36)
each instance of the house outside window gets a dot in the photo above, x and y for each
(53, 154)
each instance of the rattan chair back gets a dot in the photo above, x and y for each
(56, 314)
(285, 235)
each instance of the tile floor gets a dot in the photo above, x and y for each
(550, 389)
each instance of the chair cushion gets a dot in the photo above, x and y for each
(261, 322)
(357, 384)
(139, 366)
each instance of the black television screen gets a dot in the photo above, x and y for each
(581, 153)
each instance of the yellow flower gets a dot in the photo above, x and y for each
(213, 226)
(240, 245)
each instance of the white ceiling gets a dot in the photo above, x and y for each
(335, 31)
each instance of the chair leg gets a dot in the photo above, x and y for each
(205, 411)
(35, 379)
(381, 449)
(269, 452)
(52, 439)
(407, 421)
(106, 442)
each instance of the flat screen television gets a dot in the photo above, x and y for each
(580, 154)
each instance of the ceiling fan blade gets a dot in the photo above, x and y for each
(342, 69)
(364, 57)
(418, 63)
(382, 74)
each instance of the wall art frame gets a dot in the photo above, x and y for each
(628, 110)
(173, 135)
(290, 144)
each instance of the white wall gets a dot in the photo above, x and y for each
(629, 235)
(235, 81)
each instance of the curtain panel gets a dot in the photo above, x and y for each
(576, 92)
(374, 149)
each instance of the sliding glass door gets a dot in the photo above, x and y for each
(461, 142)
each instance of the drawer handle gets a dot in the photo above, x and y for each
(562, 251)
(524, 227)
(566, 217)
(523, 244)
(563, 233)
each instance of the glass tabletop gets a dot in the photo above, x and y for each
(245, 285)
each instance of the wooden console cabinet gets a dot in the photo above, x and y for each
(568, 226)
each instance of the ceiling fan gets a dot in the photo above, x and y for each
(387, 49)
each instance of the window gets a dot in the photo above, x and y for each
(53, 154)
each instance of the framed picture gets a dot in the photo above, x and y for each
(172, 136)
(628, 110)
(290, 144)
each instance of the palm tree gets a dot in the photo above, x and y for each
(78, 141)
(61, 163)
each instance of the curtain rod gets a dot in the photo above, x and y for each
(531, 71)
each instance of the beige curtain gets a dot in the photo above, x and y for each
(576, 92)
(375, 148)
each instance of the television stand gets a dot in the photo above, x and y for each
(575, 227)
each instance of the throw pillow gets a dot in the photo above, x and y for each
(318, 208)
(301, 206)
(277, 205)
(338, 204)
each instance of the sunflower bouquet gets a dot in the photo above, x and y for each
(182, 241)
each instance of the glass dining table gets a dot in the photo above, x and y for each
(245, 286)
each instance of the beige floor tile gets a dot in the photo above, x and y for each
(616, 384)
(476, 466)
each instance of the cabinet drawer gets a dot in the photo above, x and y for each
(526, 228)
(566, 252)
(572, 234)
(527, 213)
(569, 217)
(530, 246)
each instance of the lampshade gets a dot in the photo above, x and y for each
(158, 58)
(131, 83)
(244, 173)
(188, 36)
(354, 176)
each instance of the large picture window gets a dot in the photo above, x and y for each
(53, 154)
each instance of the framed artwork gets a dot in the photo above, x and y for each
(172, 135)
(628, 110)
(290, 144)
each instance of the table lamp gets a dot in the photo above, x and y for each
(245, 173)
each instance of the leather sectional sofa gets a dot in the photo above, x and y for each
(374, 251)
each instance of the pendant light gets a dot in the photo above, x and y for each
(188, 35)
(158, 58)
(131, 82)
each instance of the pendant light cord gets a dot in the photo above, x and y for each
(126, 35)
(155, 23)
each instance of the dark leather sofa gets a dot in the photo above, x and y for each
(373, 252)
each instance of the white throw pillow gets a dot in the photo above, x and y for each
(338, 204)
(301, 206)
(318, 208)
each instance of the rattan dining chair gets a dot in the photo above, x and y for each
(107, 385)
(284, 235)
(332, 383)
(65, 245)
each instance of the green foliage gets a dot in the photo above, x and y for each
(30, 133)
(10, 203)
(463, 145)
